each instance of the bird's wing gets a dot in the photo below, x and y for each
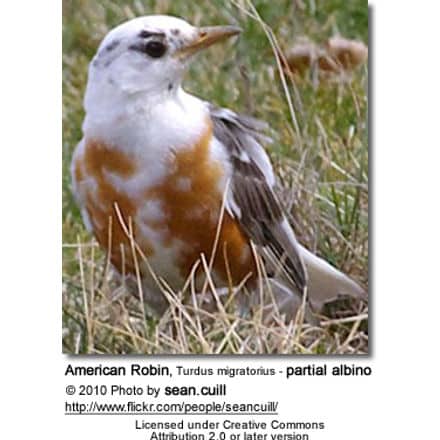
(251, 199)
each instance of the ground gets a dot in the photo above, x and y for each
(319, 124)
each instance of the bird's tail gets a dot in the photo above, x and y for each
(326, 283)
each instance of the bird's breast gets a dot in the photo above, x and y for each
(164, 208)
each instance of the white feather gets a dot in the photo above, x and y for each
(326, 283)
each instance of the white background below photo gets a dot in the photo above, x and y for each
(397, 401)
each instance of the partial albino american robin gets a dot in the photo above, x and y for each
(182, 177)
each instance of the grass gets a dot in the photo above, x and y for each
(320, 153)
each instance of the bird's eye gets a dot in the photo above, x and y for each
(155, 49)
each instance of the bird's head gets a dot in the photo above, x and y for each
(149, 54)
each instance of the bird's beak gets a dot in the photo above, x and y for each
(205, 37)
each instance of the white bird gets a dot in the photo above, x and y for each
(182, 177)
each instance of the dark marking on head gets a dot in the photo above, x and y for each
(175, 31)
(147, 34)
(112, 45)
(170, 87)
